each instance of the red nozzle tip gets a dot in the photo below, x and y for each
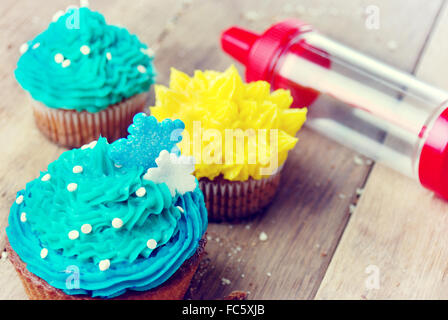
(237, 42)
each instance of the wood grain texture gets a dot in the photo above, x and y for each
(306, 220)
(399, 228)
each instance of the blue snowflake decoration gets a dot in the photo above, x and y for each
(147, 138)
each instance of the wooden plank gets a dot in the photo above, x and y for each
(399, 228)
(307, 218)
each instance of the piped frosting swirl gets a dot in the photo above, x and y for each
(118, 229)
(82, 63)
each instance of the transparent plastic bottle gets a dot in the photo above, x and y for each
(375, 109)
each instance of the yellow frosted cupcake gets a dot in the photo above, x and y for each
(239, 133)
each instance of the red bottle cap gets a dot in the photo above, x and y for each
(433, 166)
(259, 52)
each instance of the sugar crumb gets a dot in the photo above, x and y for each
(251, 15)
(263, 236)
(4, 255)
(351, 208)
(358, 160)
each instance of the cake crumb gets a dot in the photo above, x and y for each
(263, 236)
(323, 253)
(225, 281)
(237, 295)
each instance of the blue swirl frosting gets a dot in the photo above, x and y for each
(50, 210)
(82, 63)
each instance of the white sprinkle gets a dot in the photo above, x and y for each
(44, 253)
(251, 15)
(57, 15)
(151, 244)
(141, 68)
(209, 238)
(86, 228)
(58, 58)
(85, 50)
(46, 177)
(225, 281)
(342, 196)
(140, 192)
(358, 160)
(109, 56)
(148, 51)
(77, 169)
(24, 48)
(23, 217)
(242, 275)
(36, 45)
(268, 274)
(104, 265)
(71, 7)
(72, 186)
(263, 236)
(117, 223)
(118, 166)
(351, 208)
(90, 145)
(181, 209)
(83, 3)
(66, 63)
(19, 199)
(73, 235)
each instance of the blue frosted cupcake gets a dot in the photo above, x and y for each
(86, 78)
(122, 220)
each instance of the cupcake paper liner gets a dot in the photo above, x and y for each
(173, 289)
(233, 200)
(72, 129)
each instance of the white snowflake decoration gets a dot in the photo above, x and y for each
(175, 172)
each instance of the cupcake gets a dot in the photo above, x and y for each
(239, 134)
(124, 220)
(86, 78)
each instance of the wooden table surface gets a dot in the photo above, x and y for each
(392, 245)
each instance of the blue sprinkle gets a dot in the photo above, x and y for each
(147, 138)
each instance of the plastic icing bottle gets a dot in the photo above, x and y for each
(373, 108)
